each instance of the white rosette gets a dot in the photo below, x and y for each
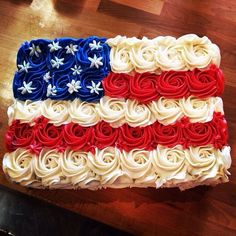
(18, 166)
(142, 55)
(112, 110)
(55, 111)
(201, 110)
(137, 165)
(47, 168)
(120, 59)
(25, 111)
(208, 163)
(138, 114)
(74, 166)
(198, 110)
(165, 110)
(106, 164)
(83, 113)
(198, 52)
(167, 55)
(169, 164)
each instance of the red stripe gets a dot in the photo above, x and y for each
(42, 134)
(147, 87)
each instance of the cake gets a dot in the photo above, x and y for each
(121, 112)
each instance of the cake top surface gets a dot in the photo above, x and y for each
(119, 112)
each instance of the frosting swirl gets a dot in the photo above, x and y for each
(19, 135)
(83, 113)
(166, 111)
(173, 84)
(138, 166)
(105, 135)
(74, 166)
(208, 162)
(142, 55)
(167, 54)
(138, 114)
(198, 52)
(145, 82)
(200, 110)
(169, 163)
(23, 111)
(55, 111)
(48, 135)
(206, 83)
(135, 137)
(117, 85)
(78, 137)
(18, 166)
(112, 110)
(106, 164)
(47, 167)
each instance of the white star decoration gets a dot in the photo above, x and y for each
(47, 76)
(24, 66)
(94, 45)
(34, 50)
(54, 46)
(51, 90)
(71, 49)
(73, 86)
(76, 70)
(57, 62)
(95, 88)
(95, 61)
(26, 88)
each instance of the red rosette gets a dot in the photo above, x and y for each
(105, 135)
(19, 135)
(173, 84)
(168, 135)
(48, 135)
(78, 137)
(206, 83)
(220, 124)
(135, 138)
(116, 85)
(199, 134)
(143, 87)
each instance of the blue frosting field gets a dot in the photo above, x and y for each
(38, 70)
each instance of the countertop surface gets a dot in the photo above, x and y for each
(23, 215)
(200, 211)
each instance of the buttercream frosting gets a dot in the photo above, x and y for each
(109, 167)
(95, 113)
(61, 69)
(117, 111)
(162, 53)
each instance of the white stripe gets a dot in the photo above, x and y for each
(117, 111)
(162, 53)
(163, 167)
